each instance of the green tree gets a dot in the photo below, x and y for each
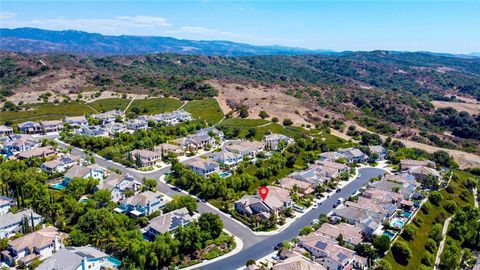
(381, 243)
(401, 252)
(263, 114)
(435, 198)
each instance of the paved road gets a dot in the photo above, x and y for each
(265, 245)
(254, 246)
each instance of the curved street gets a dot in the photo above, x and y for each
(254, 246)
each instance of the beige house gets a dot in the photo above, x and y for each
(303, 187)
(147, 157)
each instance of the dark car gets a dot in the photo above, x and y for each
(278, 246)
(338, 190)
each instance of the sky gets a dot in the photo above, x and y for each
(436, 26)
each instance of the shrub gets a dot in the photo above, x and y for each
(381, 243)
(401, 252)
(450, 189)
(383, 265)
(275, 119)
(408, 232)
(431, 245)
(428, 259)
(435, 198)
(450, 206)
(436, 233)
(418, 221)
(287, 122)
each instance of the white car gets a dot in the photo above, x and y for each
(315, 221)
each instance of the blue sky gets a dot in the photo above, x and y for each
(338, 25)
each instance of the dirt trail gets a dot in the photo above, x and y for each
(442, 243)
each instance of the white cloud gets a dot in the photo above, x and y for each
(110, 26)
(200, 30)
(7, 15)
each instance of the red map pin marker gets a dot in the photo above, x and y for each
(263, 192)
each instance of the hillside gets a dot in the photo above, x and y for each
(386, 92)
(33, 40)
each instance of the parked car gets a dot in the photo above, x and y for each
(315, 221)
(278, 246)
(338, 190)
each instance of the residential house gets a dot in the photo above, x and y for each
(203, 167)
(142, 204)
(169, 222)
(212, 132)
(312, 175)
(302, 187)
(92, 131)
(379, 150)
(351, 234)
(5, 130)
(40, 244)
(353, 154)
(172, 118)
(108, 117)
(385, 208)
(273, 140)
(406, 164)
(113, 128)
(297, 262)
(329, 253)
(137, 124)
(383, 196)
(248, 149)
(78, 258)
(227, 158)
(30, 128)
(11, 223)
(51, 126)
(19, 143)
(118, 184)
(339, 167)
(403, 184)
(329, 172)
(166, 148)
(329, 156)
(5, 204)
(60, 164)
(422, 173)
(76, 121)
(41, 152)
(145, 158)
(78, 171)
(277, 200)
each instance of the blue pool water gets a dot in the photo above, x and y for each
(224, 174)
(114, 261)
(58, 186)
(398, 224)
(389, 234)
(407, 214)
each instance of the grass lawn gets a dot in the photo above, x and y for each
(206, 109)
(155, 105)
(240, 122)
(46, 111)
(417, 245)
(108, 104)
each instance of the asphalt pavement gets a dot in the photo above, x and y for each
(254, 246)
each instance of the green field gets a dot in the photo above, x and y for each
(109, 104)
(46, 111)
(206, 109)
(155, 105)
(240, 122)
(417, 245)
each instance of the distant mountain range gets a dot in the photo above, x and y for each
(33, 40)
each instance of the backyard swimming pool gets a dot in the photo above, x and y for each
(407, 214)
(58, 186)
(224, 174)
(389, 234)
(397, 223)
